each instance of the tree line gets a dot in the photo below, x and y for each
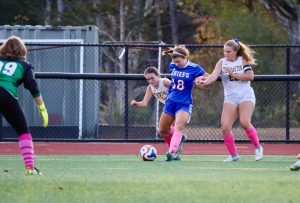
(171, 21)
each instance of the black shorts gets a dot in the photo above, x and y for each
(12, 112)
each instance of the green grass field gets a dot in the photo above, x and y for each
(128, 179)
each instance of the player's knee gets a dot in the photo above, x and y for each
(179, 128)
(225, 129)
(245, 123)
(163, 132)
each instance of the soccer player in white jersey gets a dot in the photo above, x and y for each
(178, 107)
(159, 88)
(239, 99)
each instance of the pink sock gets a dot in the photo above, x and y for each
(169, 137)
(175, 141)
(251, 133)
(26, 148)
(229, 142)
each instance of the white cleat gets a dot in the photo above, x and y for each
(259, 153)
(295, 166)
(231, 158)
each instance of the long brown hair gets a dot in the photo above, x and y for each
(14, 48)
(150, 70)
(177, 51)
(242, 50)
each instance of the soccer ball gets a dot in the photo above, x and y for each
(148, 153)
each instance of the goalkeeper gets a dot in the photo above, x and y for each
(14, 71)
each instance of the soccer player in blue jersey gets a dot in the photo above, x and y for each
(159, 88)
(178, 106)
(14, 71)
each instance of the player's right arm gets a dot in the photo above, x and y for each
(146, 99)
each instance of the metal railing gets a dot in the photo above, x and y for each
(125, 127)
(111, 75)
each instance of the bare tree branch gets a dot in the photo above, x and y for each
(107, 34)
(283, 10)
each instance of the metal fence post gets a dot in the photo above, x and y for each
(1, 126)
(157, 136)
(126, 95)
(287, 96)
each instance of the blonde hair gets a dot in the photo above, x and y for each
(242, 50)
(177, 51)
(14, 48)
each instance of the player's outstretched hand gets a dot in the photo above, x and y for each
(133, 103)
(200, 81)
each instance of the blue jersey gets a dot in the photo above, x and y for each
(182, 82)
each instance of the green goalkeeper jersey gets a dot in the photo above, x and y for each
(15, 72)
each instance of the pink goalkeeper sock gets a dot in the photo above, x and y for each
(229, 142)
(169, 137)
(26, 148)
(252, 134)
(175, 141)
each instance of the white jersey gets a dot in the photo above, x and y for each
(234, 87)
(161, 93)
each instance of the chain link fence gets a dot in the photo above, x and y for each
(93, 108)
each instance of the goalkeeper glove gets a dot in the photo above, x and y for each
(43, 113)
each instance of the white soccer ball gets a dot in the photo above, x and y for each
(148, 153)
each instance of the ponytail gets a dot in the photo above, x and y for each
(177, 51)
(242, 50)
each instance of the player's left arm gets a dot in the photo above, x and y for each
(166, 82)
(31, 84)
(206, 75)
(42, 109)
(248, 73)
(199, 79)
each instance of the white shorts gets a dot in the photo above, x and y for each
(236, 100)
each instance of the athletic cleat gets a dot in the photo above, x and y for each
(32, 171)
(176, 157)
(295, 166)
(179, 150)
(259, 153)
(169, 156)
(232, 158)
(183, 139)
